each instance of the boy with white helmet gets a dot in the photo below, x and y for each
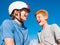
(14, 31)
(50, 34)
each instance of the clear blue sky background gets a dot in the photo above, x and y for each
(52, 6)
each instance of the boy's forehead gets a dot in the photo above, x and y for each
(39, 14)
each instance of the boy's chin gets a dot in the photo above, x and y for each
(41, 24)
(24, 19)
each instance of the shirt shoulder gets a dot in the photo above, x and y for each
(54, 25)
(7, 22)
(7, 25)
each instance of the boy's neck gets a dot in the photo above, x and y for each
(45, 25)
(18, 22)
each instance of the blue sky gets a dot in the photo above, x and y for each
(52, 6)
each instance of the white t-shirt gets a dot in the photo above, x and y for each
(49, 35)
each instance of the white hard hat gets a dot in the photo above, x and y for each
(17, 5)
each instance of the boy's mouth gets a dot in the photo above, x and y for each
(38, 21)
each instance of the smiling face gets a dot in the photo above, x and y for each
(21, 15)
(24, 15)
(41, 17)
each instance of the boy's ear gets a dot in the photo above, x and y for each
(46, 17)
(16, 13)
